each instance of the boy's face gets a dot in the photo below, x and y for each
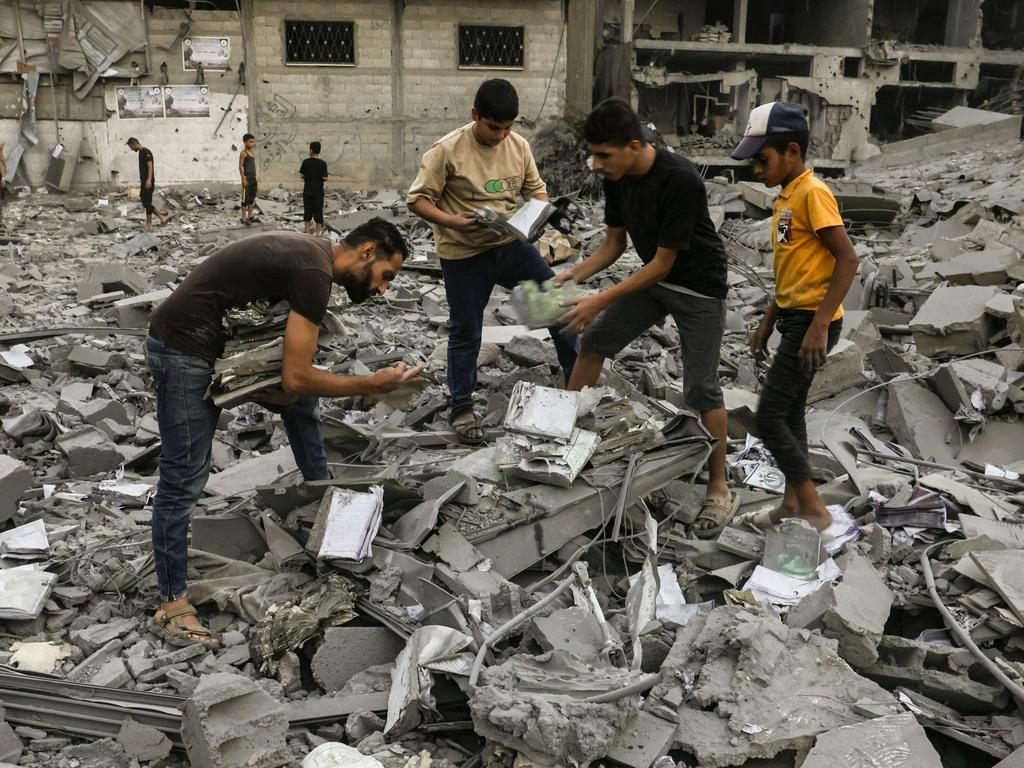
(491, 132)
(250, 143)
(613, 162)
(772, 167)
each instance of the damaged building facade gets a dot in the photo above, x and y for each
(377, 81)
(868, 70)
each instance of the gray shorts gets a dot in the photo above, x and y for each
(700, 322)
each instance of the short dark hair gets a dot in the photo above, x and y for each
(613, 122)
(132, 140)
(383, 233)
(496, 99)
(314, 147)
(780, 141)
(248, 136)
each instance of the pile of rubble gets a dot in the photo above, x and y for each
(542, 600)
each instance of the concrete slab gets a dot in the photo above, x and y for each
(645, 740)
(143, 742)
(922, 424)
(249, 473)
(896, 741)
(953, 321)
(348, 650)
(15, 479)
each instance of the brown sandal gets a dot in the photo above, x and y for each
(464, 427)
(178, 635)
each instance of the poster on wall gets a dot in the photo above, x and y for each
(139, 101)
(211, 52)
(186, 101)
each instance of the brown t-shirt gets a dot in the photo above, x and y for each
(272, 266)
(460, 175)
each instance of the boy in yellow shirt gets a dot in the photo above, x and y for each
(814, 267)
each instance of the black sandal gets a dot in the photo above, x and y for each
(464, 427)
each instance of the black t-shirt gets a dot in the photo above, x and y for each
(145, 157)
(313, 171)
(667, 207)
(274, 266)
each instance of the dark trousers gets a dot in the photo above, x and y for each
(187, 423)
(468, 284)
(780, 420)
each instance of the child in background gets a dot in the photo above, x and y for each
(814, 267)
(247, 170)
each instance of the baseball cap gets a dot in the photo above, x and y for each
(771, 119)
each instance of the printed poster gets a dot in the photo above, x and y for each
(186, 101)
(211, 52)
(139, 101)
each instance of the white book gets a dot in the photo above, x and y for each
(526, 223)
(346, 524)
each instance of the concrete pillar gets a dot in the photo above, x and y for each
(739, 21)
(581, 33)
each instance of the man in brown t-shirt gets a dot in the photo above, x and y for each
(185, 337)
(480, 165)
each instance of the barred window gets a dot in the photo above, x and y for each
(490, 47)
(330, 43)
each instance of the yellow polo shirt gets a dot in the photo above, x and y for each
(803, 265)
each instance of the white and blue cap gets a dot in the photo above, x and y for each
(772, 119)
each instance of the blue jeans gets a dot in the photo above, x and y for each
(468, 284)
(187, 423)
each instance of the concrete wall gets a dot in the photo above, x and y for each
(375, 119)
(185, 149)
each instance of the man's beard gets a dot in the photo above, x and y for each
(357, 285)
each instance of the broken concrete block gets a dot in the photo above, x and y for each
(896, 740)
(89, 452)
(843, 369)
(644, 741)
(94, 411)
(984, 376)
(751, 669)
(94, 637)
(105, 277)
(530, 351)
(953, 321)
(112, 674)
(952, 676)
(348, 650)
(143, 742)
(575, 630)
(853, 611)
(436, 487)
(15, 479)
(248, 473)
(230, 721)
(10, 746)
(134, 311)
(93, 362)
(921, 422)
(163, 275)
(1000, 305)
(87, 669)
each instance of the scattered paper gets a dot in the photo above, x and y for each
(26, 542)
(17, 357)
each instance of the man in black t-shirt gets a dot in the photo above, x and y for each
(659, 200)
(147, 182)
(186, 336)
(314, 173)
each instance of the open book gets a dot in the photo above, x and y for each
(527, 223)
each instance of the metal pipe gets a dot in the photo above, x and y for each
(511, 624)
(933, 465)
(962, 636)
(645, 683)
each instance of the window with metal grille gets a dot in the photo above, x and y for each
(326, 43)
(490, 47)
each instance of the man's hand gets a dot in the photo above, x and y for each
(565, 274)
(814, 349)
(759, 339)
(463, 222)
(273, 396)
(388, 379)
(584, 310)
(245, 182)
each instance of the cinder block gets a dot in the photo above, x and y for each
(89, 452)
(230, 721)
